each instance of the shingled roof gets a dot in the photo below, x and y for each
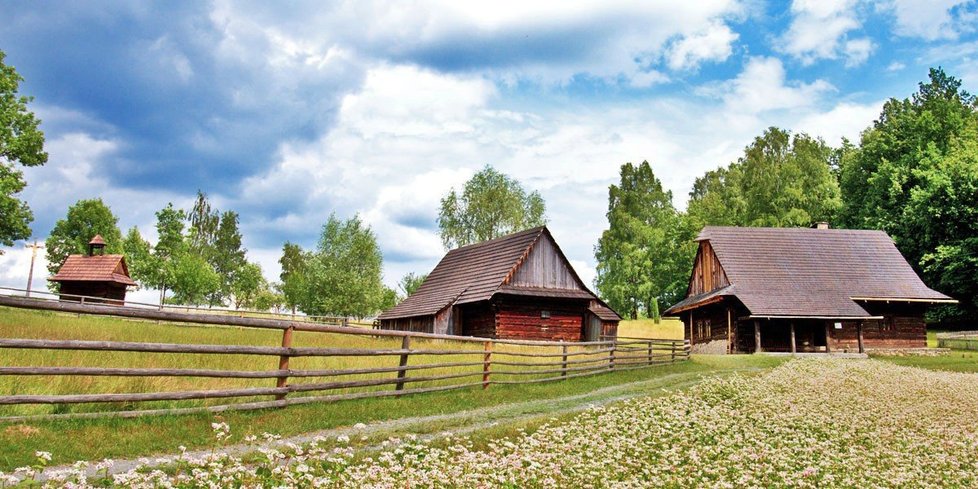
(98, 268)
(476, 272)
(799, 272)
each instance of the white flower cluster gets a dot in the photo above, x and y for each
(808, 423)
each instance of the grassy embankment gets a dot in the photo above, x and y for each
(145, 436)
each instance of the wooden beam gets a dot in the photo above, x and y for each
(794, 348)
(828, 338)
(757, 336)
(729, 331)
(859, 331)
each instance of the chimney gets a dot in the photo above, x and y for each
(820, 225)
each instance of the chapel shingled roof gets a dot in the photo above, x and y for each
(809, 272)
(478, 271)
(98, 268)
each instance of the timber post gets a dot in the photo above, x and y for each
(650, 351)
(859, 332)
(828, 338)
(794, 348)
(563, 368)
(611, 354)
(402, 370)
(283, 361)
(486, 364)
(672, 352)
(757, 336)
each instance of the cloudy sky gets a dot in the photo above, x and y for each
(289, 112)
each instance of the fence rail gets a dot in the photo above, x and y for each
(958, 340)
(423, 362)
(112, 303)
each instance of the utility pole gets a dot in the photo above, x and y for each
(30, 275)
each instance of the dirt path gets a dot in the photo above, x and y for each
(457, 423)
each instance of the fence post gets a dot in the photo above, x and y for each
(650, 352)
(563, 369)
(402, 372)
(611, 354)
(672, 351)
(283, 360)
(486, 364)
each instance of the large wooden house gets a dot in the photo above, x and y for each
(519, 286)
(802, 290)
(97, 276)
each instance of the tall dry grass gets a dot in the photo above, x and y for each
(17, 323)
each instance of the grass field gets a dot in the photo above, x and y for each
(145, 436)
(18, 323)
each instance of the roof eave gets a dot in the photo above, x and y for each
(790, 316)
(905, 299)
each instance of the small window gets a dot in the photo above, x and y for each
(544, 314)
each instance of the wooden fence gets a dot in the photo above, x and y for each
(39, 295)
(414, 366)
(959, 340)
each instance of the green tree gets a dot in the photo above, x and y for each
(247, 285)
(21, 142)
(410, 282)
(194, 281)
(170, 247)
(203, 226)
(293, 262)
(644, 255)
(783, 180)
(912, 175)
(85, 219)
(270, 298)
(491, 205)
(228, 255)
(343, 275)
(142, 264)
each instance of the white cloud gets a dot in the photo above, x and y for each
(763, 86)
(820, 30)
(391, 160)
(932, 19)
(845, 120)
(548, 42)
(715, 43)
(895, 66)
(857, 51)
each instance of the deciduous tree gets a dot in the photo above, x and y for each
(21, 142)
(343, 275)
(490, 205)
(84, 220)
(782, 180)
(644, 255)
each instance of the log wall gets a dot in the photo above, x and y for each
(522, 319)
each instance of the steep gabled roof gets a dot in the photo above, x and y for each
(476, 272)
(98, 268)
(810, 272)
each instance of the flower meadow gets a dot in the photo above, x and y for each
(807, 423)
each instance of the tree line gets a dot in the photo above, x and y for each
(913, 173)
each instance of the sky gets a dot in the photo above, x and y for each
(288, 112)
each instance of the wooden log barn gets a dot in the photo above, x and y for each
(802, 290)
(519, 286)
(94, 275)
